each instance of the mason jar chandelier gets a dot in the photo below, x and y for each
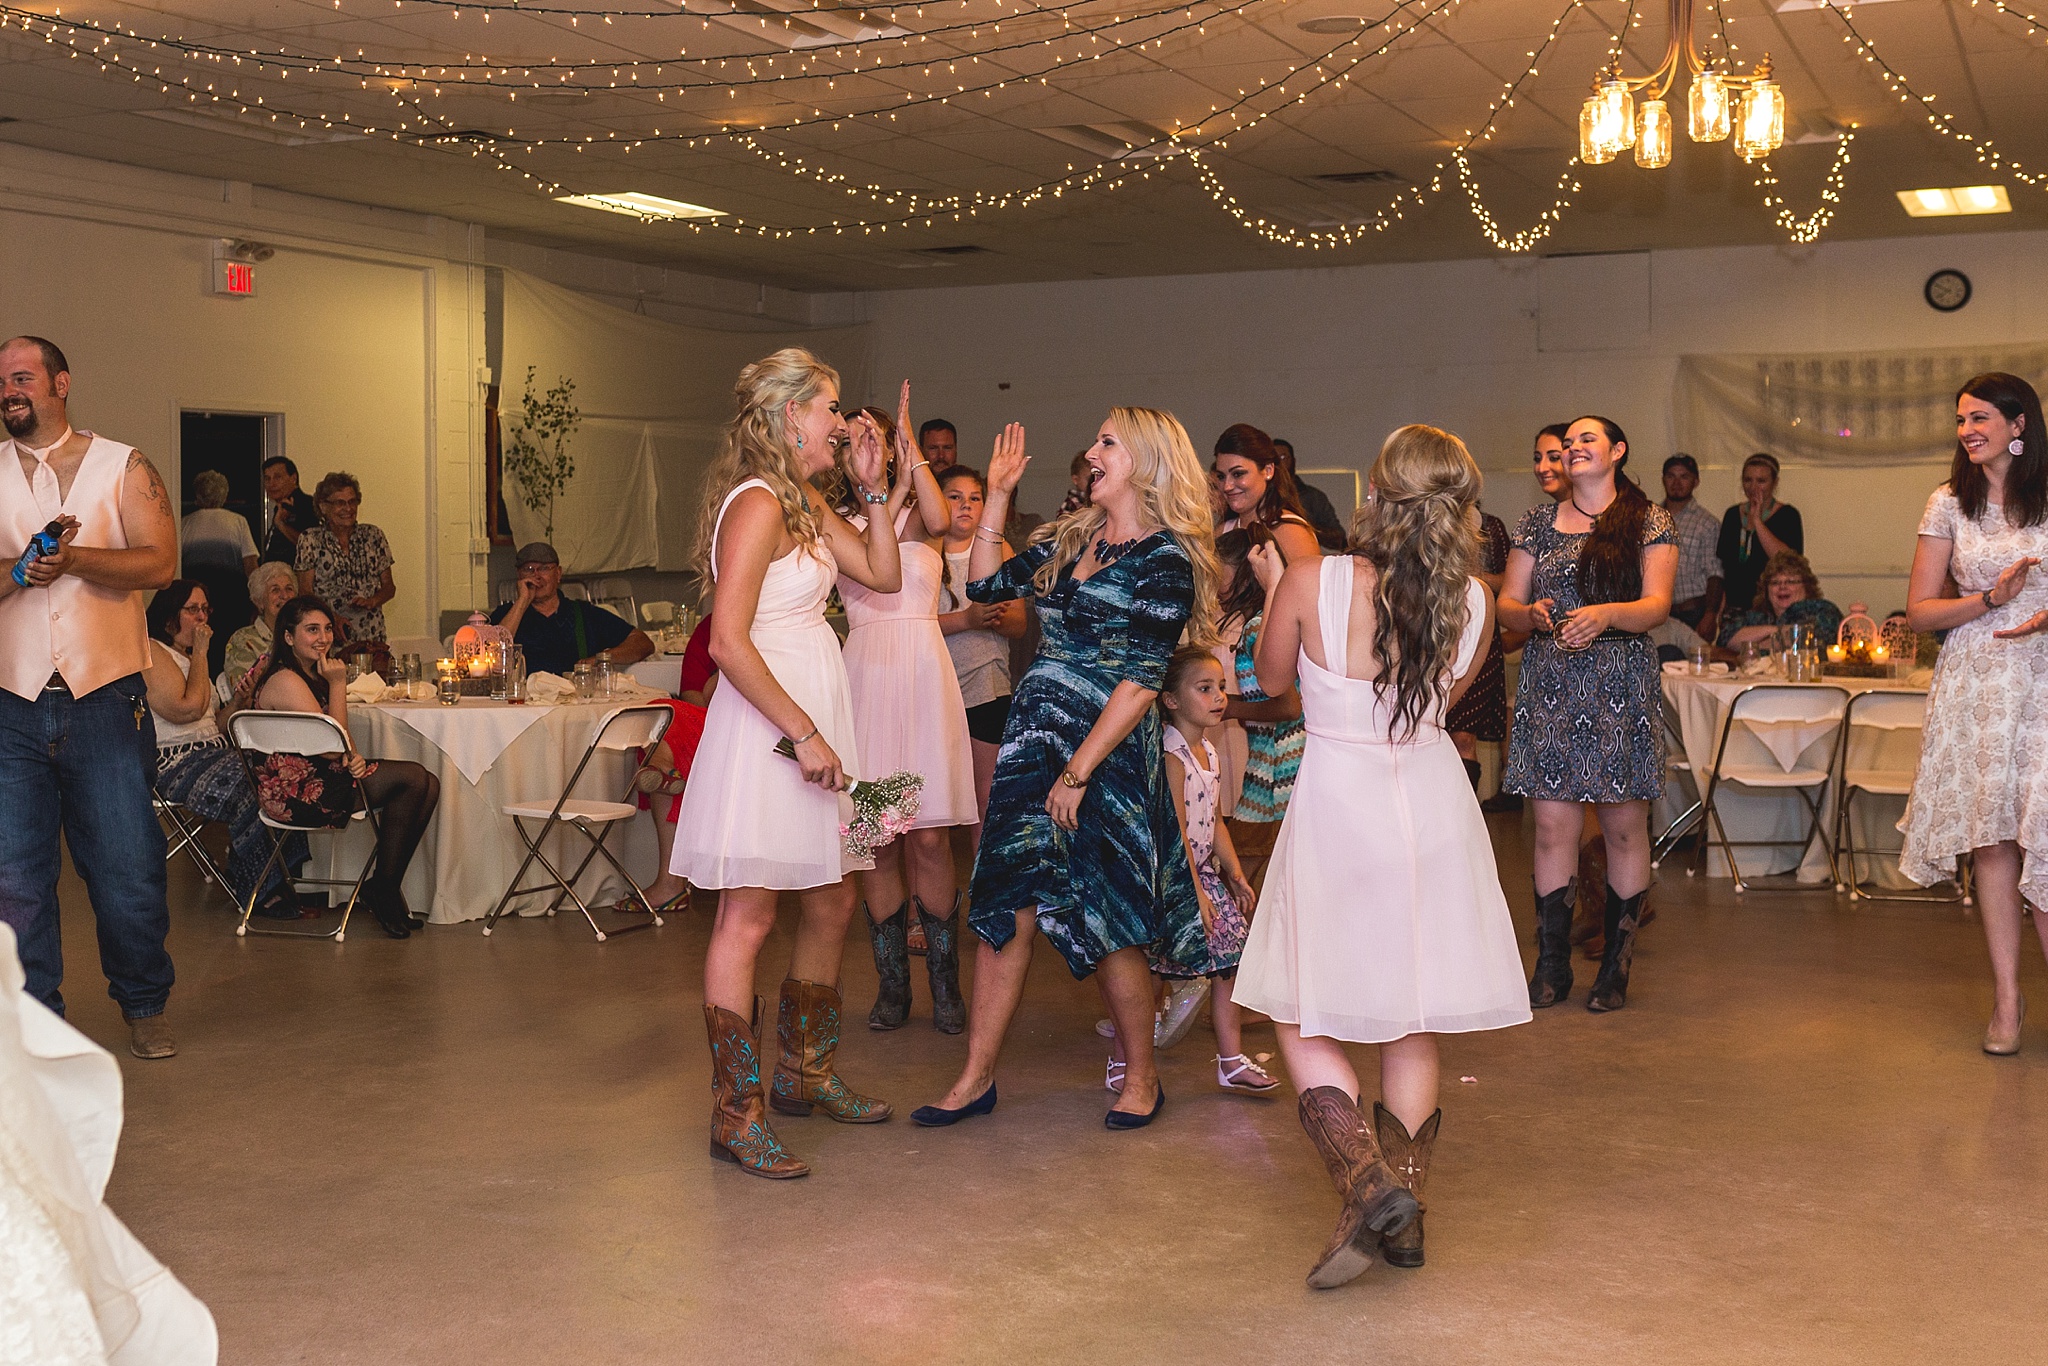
(1719, 104)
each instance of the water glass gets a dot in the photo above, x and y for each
(601, 682)
(584, 680)
(449, 687)
(1699, 657)
(515, 674)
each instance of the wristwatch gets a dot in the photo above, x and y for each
(1989, 605)
(1068, 779)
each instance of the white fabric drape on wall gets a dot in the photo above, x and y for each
(1844, 409)
(654, 395)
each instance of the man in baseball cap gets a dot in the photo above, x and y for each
(559, 633)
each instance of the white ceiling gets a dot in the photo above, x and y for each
(1399, 114)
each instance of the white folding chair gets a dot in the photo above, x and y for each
(1678, 768)
(623, 728)
(571, 589)
(181, 835)
(657, 615)
(260, 733)
(616, 595)
(504, 592)
(1880, 711)
(1751, 764)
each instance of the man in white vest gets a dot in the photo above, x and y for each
(77, 743)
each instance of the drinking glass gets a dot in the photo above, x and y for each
(449, 685)
(601, 682)
(1699, 657)
(583, 680)
(515, 675)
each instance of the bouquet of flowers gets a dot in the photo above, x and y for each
(882, 809)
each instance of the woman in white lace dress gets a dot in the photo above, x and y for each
(1982, 786)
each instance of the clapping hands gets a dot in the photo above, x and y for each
(1007, 461)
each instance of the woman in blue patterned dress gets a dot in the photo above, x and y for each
(1589, 575)
(1081, 841)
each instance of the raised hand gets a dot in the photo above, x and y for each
(865, 461)
(334, 671)
(1007, 461)
(904, 444)
(202, 636)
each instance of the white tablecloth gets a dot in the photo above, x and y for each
(1700, 707)
(471, 850)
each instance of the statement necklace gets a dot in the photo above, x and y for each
(1108, 553)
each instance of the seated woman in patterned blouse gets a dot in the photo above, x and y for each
(1787, 595)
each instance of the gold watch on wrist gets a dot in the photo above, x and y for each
(1068, 779)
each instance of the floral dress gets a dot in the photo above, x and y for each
(1223, 944)
(341, 576)
(1983, 775)
(1589, 724)
(1122, 879)
(313, 791)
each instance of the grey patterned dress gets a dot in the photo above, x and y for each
(1588, 724)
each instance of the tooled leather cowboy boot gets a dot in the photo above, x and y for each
(1376, 1204)
(942, 966)
(1624, 918)
(1551, 981)
(892, 965)
(739, 1126)
(1408, 1157)
(807, 1026)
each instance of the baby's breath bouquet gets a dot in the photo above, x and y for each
(882, 809)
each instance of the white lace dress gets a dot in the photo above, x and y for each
(1983, 775)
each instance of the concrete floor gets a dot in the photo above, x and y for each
(451, 1150)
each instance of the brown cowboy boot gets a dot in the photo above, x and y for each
(1376, 1204)
(892, 968)
(739, 1126)
(807, 1025)
(1408, 1156)
(942, 966)
(1624, 918)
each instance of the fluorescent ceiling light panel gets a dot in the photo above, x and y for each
(646, 207)
(1956, 201)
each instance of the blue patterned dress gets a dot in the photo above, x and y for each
(1589, 725)
(1122, 879)
(1272, 748)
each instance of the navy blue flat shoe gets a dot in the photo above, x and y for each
(932, 1117)
(1124, 1119)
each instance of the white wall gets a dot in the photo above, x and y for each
(1335, 358)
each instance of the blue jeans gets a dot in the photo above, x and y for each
(83, 765)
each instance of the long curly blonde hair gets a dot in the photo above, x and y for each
(755, 445)
(1174, 490)
(1419, 533)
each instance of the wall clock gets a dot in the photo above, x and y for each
(1947, 290)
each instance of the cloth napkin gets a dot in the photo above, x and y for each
(547, 689)
(1683, 668)
(368, 689)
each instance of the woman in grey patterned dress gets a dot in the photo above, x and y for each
(1589, 576)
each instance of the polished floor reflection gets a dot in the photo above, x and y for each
(1787, 1149)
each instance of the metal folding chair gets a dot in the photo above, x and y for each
(616, 597)
(623, 728)
(260, 733)
(1752, 766)
(1881, 711)
(1677, 766)
(181, 835)
(657, 616)
(573, 589)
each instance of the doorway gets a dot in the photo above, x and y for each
(234, 445)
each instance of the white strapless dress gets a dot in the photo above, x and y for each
(907, 712)
(1382, 914)
(748, 818)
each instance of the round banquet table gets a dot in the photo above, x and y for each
(1698, 707)
(488, 754)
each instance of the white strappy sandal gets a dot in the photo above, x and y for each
(1113, 1076)
(1245, 1076)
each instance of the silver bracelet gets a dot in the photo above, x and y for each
(986, 534)
(802, 739)
(873, 498)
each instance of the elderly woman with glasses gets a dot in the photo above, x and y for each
(1787, 595)
(270, 587)
(346, 562)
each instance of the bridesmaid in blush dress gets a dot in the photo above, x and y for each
(1382, 919)
(754, 824)
(908, 717)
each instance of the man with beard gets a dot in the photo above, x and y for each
(939, 443)
(77, 742)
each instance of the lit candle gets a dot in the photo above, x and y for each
(1879, 653)
(1836, 654)
(479, 666)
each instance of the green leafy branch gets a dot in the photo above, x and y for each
(537, 449)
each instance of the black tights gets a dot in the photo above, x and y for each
(404, 796)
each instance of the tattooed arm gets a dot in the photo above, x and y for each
(151, 528)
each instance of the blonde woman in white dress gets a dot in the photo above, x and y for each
(1382, 919)
(908, 717)
(1982, 785)
(753, 824)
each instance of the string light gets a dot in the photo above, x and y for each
(1806, 231)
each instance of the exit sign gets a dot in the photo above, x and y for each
(231, 277)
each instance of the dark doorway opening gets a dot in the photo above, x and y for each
(234, 445)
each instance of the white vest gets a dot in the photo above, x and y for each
(89, 634)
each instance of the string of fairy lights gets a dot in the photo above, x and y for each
(994, 44)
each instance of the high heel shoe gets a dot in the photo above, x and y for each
(933, 1117)
(1124, 1119)
(2005, 1047)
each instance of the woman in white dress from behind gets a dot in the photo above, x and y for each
(1382, 919)
(753, 824)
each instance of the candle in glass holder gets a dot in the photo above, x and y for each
(1836, 654)
(448, 682)
(479, 666)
